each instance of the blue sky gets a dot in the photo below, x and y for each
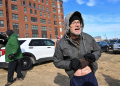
(101, 17)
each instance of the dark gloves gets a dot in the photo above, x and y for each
(90, 57)
(75, 64)
(11, 56)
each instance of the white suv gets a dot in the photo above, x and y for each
(116, 46)
(34, 50)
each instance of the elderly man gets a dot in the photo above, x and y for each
(77, 52)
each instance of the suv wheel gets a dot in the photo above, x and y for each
(107, 49)
(25, 63)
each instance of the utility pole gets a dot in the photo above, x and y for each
(115, 31)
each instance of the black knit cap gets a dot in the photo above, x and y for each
(9, 32)
(75, 16)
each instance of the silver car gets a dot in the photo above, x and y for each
(116, 46)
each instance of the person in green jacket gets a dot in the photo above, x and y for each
(12, 55)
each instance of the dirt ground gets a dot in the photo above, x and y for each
(46, 74)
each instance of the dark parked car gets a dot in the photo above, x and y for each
(104, 46)
(111, 42)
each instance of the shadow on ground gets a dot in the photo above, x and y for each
(111, 81)
(62, 80)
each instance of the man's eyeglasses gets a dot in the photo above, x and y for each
(74, 23)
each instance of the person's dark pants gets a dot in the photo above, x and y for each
(14, 66)
(86, 80)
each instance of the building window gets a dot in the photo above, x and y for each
(40, 13)
(7, 15)
(50, 36)
(43, 21)
(60, 29)
(60, 36)
(26, 26)
(25, 18)
(47, 9)
(63, 29)
(61, 5)
(17, 35)
(27, 35)
(49, 28)
(48, 15)
(58, 5)
(29, 3)
(55, 22)
(44, 14)
(60, 23)
(14, 0)
(7, 24)
(59, 17)
(15, 16)
(54, 10)
(38, 0)
(43, 28)
(0, 2)
(31, 11)
(25, 10)
(34, 5)
(15, 26)
(23, 2)
(62, 17)
(53, 4)
(14, 7)
(44, 35)
(61, 11)
(33, 19)
(42, 1)
(54, 16)
(1, 13)
(35, 12)
(63, 23)
(49, 21)
(43, 7)
(39, 7)
(1, 23)
(34, 27)
(58, 11)
(35, 35)
(46, 2)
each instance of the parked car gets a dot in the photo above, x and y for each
(104, 46)
(111, 42)
(116, 46)
(34, 50)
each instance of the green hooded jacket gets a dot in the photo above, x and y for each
(13, 46)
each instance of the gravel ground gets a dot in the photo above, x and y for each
(46, 74)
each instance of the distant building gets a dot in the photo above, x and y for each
(33, 18)
(98, 38)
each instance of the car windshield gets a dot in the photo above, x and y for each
(112, 41)
(118, 41)
(98, 42)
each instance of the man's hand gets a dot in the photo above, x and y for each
(11, 56)
(75, 64)
(90, 57)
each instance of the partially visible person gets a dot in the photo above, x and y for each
(12, 54)
(58, 38)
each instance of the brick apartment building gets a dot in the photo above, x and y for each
(32, 18)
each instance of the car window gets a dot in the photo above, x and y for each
(118, 41)
(48, 42)
(21, 41)
(36, 42)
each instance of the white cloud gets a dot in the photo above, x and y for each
(65, 0)
(80, 2)
(101, 23)
(113, 1)
(91, 3)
